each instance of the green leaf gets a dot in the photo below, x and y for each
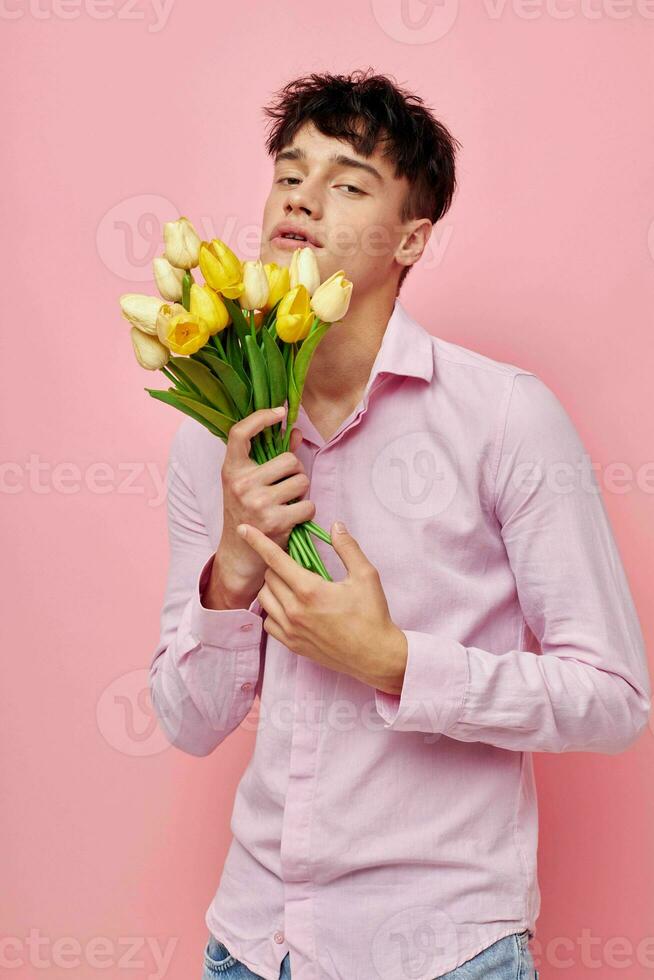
(276, 370)
(258, 373)
(234, 353)
(207, 386)
(170, 397)
(305, 354)
(236, 388)
(239, 321)
(217, 419)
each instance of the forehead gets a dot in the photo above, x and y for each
(309, 146)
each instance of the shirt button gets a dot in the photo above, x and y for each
(245, 626)
(246, 686)
(279, 937)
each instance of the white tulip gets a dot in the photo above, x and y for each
(304, 269)
(141, 311)
(150, 352)
(257, 287)
(182, 243)
(168, 279)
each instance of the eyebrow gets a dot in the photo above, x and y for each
(297, 153)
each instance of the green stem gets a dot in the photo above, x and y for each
(318, 531)
(169, 375)
(219, 346)
(187, 282)
(320, 565)
(300, 543)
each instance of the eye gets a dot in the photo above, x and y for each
(356, 190)
(282, 179)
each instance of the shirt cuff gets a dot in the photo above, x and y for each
(233, 629)
(436, 680)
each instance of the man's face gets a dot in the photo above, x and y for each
(349, 206)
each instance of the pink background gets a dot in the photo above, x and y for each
(121, 117)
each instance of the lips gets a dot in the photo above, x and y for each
(285, 228)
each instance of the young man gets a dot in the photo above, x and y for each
(386, 825)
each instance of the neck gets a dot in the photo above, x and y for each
(342, 362)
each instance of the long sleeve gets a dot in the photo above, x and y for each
(207, 666)
(588, 689)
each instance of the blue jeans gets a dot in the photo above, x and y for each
(508, 959)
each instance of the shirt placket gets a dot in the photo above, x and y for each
(296, 854)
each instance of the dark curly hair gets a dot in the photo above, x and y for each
(362, 108)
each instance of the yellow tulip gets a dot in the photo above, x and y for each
(207, 304)
(141, 311)
(221, 269)
(331, 299)
(182, 243)
(168, 279)
(255, 286)
(304, 269)
(150, 352)
(186, 333)
(294, 315)
(166, 313)
(279, 282)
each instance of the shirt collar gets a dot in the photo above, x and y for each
(406, 348)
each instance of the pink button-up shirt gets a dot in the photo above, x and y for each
(379, 835)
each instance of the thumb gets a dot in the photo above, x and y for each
(295, 439)
(347, 548)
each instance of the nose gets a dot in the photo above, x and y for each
(303, 200)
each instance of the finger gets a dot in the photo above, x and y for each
(295, 440)
(348, 549)
(273, 606)
(290, 489)
(242, 432)
(273, 628)
(276, 558)
(279, 589)
(286, 464)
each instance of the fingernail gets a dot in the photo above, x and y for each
(280, 410)
(339, 526)
(242, 530)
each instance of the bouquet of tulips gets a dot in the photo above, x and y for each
(240, 341)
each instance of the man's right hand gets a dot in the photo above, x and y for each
(257, 494)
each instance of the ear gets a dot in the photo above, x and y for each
(413, 241)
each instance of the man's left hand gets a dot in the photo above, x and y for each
(344, 625)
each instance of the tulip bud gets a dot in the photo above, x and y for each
(182, 243)
(294, 315)
(150, 352)
(221, 269)
(331, 299)
(207, 304)
(166, 313)
(279, 282)
(168, 279)
(255, 286)
(141, 311)
(304, 269)
(185, 333)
